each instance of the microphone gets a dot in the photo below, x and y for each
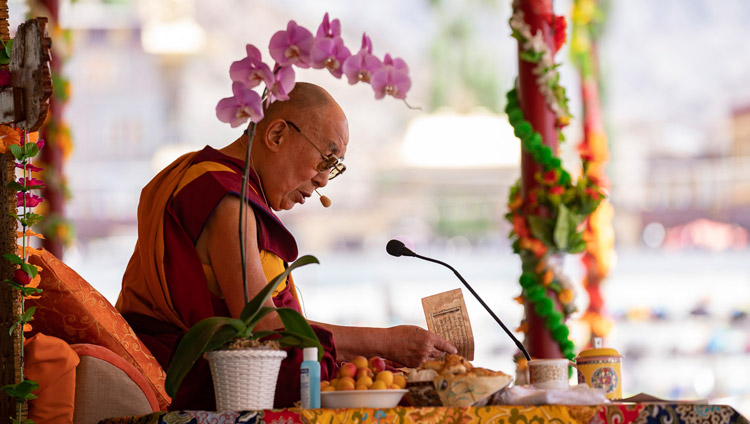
(397, 248)
(324, 200)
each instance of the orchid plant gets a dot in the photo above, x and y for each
(25, 278)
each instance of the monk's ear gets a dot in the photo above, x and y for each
(276, 133)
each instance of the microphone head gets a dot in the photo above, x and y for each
(325, 201)
(395, 248)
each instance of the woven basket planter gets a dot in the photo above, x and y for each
(245, 379)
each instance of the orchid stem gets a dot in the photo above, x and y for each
(250, 133)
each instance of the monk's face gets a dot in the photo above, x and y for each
(298, 177)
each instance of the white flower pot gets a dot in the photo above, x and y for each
(245, 379)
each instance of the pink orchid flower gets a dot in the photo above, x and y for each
(392, 78)
(329, 29)
(282, 85)
(31, 182)
(32, 200)
(363, 65)
(329, 53)
(292, 47)
(237, 109)
(40, 143)
(251, 70)
(29, 167)
(328, 50)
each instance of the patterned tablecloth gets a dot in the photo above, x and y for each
(641, 413)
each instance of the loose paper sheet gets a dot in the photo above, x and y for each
(447, 317)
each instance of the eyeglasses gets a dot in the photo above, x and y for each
(330, 162)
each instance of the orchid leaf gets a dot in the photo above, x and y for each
(262, 333)
(253, 307)
(208, 333)
(295, 323)
(299, 341)
(264, 310)
(12, 328)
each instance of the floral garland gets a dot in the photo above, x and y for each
(536, 50)
(589, 17)
(26, 277)
(549, 220)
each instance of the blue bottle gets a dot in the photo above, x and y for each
(310, 378)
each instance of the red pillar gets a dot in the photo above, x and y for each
(539, 341)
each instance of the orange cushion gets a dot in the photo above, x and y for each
(52, 363)
(109, 386)
(69, 308)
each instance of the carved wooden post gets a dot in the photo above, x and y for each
(24, 104)
(10, 300)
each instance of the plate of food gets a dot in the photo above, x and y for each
(388, 398)
(454, 381)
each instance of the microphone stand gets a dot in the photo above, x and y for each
(515, 340)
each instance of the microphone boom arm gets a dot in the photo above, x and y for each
(515, 340)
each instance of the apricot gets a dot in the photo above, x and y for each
(334, 382)
(364, 372)
(324, 384)
(328, 388)
(376, 364)
(385, 376)
(360, 387)
(378, 385)
(348, 370)
(345, 383)
(364, 381)
(399, 380)
(395, 386)
(360, 362)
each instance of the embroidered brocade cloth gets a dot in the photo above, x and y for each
(662, 413)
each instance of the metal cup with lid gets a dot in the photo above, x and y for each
(600, 368)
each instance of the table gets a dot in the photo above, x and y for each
(637, 413)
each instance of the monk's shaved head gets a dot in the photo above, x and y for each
(307, 104)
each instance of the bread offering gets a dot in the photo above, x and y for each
(453, 381)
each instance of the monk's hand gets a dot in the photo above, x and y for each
(411, 345)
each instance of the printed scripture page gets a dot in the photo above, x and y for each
(447, 317)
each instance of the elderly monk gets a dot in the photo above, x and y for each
(186, 265)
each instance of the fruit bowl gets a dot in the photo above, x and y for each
(362, 398)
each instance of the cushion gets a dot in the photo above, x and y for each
(69, 308)
(109, 386)
(52, 363)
